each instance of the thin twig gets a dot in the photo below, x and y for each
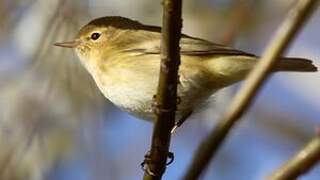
(301, 163)
(51, 26)
(165, 105)
(240, 12)
(255, 80)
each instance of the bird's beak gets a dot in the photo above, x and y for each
(68, 44)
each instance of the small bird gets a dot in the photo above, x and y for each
(123, 57)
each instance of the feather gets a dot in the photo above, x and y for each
(189, 46)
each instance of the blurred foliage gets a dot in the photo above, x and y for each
(42, 104)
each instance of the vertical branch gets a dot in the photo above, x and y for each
(255, 80)
(165, 105)
(301, 163)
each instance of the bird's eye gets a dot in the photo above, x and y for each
(95, 36)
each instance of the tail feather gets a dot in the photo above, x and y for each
(296, 64)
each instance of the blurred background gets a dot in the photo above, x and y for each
(55, 124)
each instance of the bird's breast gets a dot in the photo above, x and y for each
(132, 85)
(129, 86)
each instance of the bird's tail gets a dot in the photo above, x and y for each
(296, 64)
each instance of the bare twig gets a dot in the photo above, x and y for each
(255, 80)
(165, 105)
(301, 163)
(240, 12)
(51, 26)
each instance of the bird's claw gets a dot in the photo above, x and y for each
(147, 160)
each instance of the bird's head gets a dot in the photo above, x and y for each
(102, 36)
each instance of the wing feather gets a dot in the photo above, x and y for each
(189, 46)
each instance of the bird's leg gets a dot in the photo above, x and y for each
(181, 121)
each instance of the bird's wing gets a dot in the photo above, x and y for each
(189, 46)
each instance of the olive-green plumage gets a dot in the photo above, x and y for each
(123, 57)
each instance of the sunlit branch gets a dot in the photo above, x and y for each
(208, 148)
(301, 163)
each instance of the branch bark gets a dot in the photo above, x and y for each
(165, 105)
(246, 94)
(301, 163)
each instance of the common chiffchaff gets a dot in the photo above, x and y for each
(123, 57)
